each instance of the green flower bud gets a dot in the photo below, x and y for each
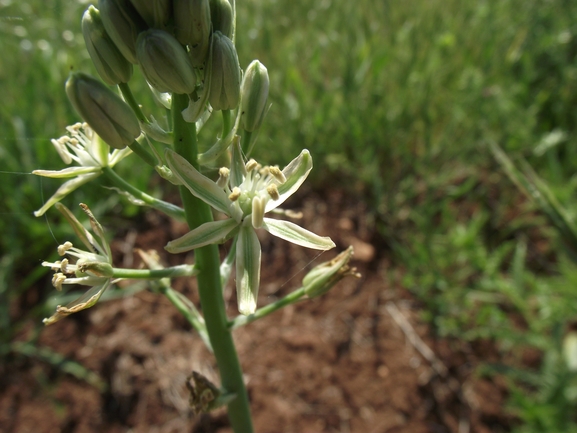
(164, 62)
(192, 27)
(254, 94)
(221, 16)
(156, 13)
(123, 24)
(104, 111)
(109, 62)
(225, 74)
(324, 276)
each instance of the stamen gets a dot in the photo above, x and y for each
(251, 165)
(258, 204)
(64, 265)
(278, 174)
(64, 247)
(235, 194)
(57, 280)
(272, 191)
(223, 175)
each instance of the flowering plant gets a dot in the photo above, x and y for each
(186, 51)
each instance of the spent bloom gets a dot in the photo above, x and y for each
(91, 268)
(88, 151)
(245, 193)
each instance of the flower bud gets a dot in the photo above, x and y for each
(104, 111)
(123, 24)
(254, 94)
(192, 27)
(324, 276)
(225, 74)
(164, 62)
(221, 16)
(156, 13)
(109, 62)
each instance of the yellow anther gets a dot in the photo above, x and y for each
(272, 191)
(251, 165)
(235, 194)
(64, 247)
(278, 174)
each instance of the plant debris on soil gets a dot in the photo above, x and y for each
(357, 359)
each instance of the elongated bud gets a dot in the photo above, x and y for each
(324, 276)
(164, 62)
(156, 13)
(109, 62)
(221, 16)
(104, 111)
(225, 75)
(254, 94)
(123, 24)
(192, 27)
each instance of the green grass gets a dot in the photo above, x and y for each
(397, 102)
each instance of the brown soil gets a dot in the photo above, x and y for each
(338, 363)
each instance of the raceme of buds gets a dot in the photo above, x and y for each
(104, 111)
(109, 62)
(164, 62)
(254, 94)
(123, 24)
(192, 27)
(225, 74)
(221, 16)
(156, 13)
(324, 276)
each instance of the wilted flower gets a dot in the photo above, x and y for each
(245, 193)
(323, 277)
(88, 268)
(87, 149)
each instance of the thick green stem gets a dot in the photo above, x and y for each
(209, 283)
(163, 206)
(291, 298)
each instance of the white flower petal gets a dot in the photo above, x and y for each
(66, 172)
(208, 233)
(297, 235)
(199, 185)
(248, 256)
(296, 173)
(65, 189)
(85, 301)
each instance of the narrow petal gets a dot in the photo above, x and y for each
(84, 235)
(199, 185)
(297, 235)
(65, 189)
(87, 300)
(66, 173)
(296, 173)
(208, 233)
(247, 270)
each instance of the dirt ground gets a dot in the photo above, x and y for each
(358, 359)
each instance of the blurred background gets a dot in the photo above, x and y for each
(401, 105)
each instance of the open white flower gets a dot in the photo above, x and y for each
(245, 193)
(88, 268)
(87, 149)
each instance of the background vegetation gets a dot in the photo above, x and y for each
(398, 102)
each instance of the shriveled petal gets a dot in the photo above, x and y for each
(208, 233)
(297, 235)
(199, 185)
(65, 189)
(66, 173)
(87, 300)
(247, 270)
(296, 173)
(84, 235)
